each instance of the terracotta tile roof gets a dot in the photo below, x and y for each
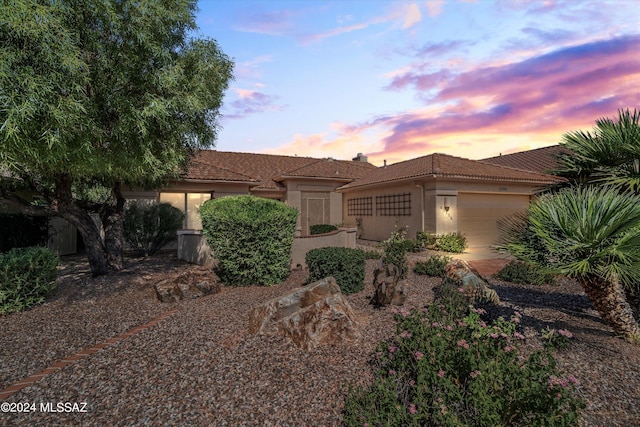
(331, 169)
(445, 166)
(264, 171)
(205, 171)
(541, 160)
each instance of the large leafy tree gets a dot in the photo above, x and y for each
(591, 229)
(102, 94)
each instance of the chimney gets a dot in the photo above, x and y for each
(360, 158)
(385, 163)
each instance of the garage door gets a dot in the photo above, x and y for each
(478, 215)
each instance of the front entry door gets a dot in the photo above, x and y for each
(315, 210)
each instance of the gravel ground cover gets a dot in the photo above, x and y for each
(201, 367)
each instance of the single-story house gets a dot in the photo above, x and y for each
(308, 184)
(440, 194)
(437, 193)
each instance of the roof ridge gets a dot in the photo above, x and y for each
(303, 166)
(225, 169)
(513, 168)
(525, 151)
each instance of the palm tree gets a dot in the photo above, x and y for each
(592, 234)
(608, 155)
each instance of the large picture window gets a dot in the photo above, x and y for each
(394, 205)
(360, 206)
(188, 203)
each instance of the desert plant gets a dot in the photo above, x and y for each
(593, 235)
(250, 237)
(395, 252)
(346, 265)
(425, 239)
(556, 339)
(371, 254)
(322, 228)
(526, 273)
(451, 242)
(433, 266)
(608, 155)
(27, 276)
(446, 371)
(149, 228)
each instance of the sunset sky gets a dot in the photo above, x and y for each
(399, 79)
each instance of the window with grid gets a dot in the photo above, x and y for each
(394, 205)
(360, 206)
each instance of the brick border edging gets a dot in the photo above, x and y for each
(16, 387)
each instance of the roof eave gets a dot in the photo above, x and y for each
(214, 181)
(453, 176)
(283, 177)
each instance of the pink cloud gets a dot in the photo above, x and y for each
(251, 102)
(533, 101)
(435, 7)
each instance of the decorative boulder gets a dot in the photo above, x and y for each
(462, 275)
(389, 288)
(186, 286)
(315, 314)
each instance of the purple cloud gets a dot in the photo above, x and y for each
(551, 92)
(252, 102)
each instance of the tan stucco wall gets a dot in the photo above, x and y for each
(437, 219)
(344, 238)
(377, 227)
(294, 196)
(193, 248)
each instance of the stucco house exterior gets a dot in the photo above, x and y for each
(306, 183)
(440, 194)
(437, 193)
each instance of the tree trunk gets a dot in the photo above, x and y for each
(610, 300)
(112, 223)
(92, 241)
(633, 297)
(68, 209)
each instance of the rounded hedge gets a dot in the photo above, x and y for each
(251, 238)
(322, 228)
(346, 265)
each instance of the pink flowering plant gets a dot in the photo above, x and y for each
(451, 371)
(558, 339)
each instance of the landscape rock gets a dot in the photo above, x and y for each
(461, 274)
(186, 286)
(312, 315)
(389, 288)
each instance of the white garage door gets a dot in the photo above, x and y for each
(478, 215)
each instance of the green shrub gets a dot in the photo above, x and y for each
(452, 242)
(322, 228)
(395, 252)
(525, 273)
(433, 266)
(425, 239)
(21, 231)
(27, 275)
(448, 371)
(149, 228)
(346, 265)
(412, 245)
(371, 254)
(251, 238)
